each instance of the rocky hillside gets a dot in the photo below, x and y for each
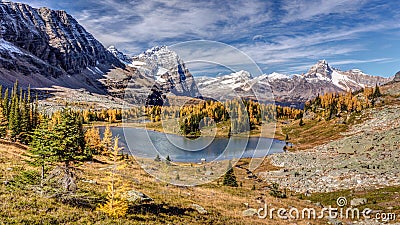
(294, 89)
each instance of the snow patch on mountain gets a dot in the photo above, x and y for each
(161, 71)
(9, 47)
(343, 81)
(277, 76)
(137, 64)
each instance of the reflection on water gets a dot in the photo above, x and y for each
(148, 144)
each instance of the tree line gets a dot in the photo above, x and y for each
(19, 114)
(331, 105)
(243, 115)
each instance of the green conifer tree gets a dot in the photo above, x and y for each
(3, 124)
(229, 177)
(301, 123)
(70, 142)
(14, 116)
(168, 160)
(377, 92)
(24, 123)
(42, 148)
(6, 103)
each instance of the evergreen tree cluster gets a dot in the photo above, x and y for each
(19, 114)
(59, 140)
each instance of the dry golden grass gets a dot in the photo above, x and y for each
(172, 204)
(311, 134)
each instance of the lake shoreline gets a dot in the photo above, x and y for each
(146, 143)
(151, 127)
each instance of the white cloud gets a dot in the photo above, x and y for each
(307, 9)
(215, 53)
(156, 21)
(361, 61)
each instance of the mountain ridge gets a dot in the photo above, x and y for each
(294, 89)
(46, 48)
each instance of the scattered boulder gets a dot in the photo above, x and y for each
(199, 209)
(89, 181)
(334, 221)
(137, 197)
(249, 212)
(209, 173)
(318, 204)
(358, 201)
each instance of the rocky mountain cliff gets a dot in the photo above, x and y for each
(289, 90)
(49, 47)
(165, 69)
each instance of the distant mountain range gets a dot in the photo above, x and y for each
(45, 48)
(289, 89)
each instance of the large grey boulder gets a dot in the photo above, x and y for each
(358, 201)
(199, 209)
(249, 212)
(137, 197)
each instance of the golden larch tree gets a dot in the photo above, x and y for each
(117, 204)
(107, 139)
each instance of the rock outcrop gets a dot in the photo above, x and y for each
(397, 77)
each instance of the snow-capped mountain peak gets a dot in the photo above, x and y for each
(119, 55)
(157, 50)
(357, 72)
(321, 78)
(168, 69)
(321, 71)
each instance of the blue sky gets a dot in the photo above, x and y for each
(285, 36)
